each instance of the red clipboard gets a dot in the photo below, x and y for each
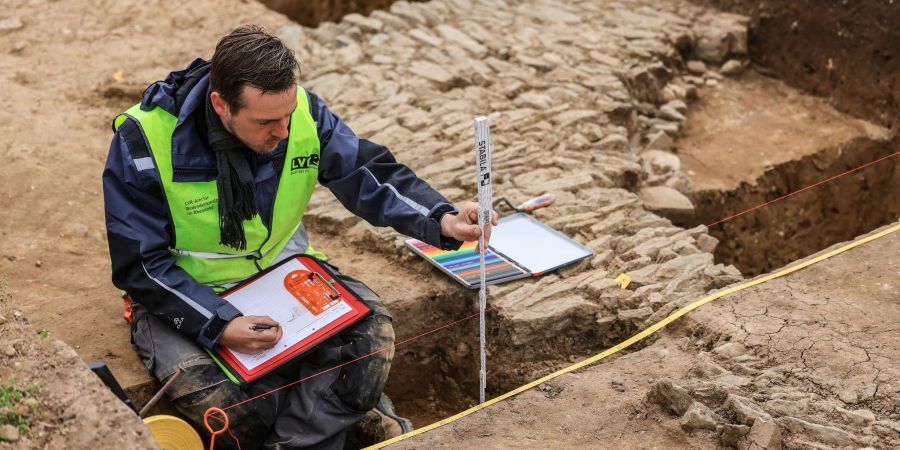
(317, 289)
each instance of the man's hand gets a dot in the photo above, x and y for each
(240, 336)
(464, 226)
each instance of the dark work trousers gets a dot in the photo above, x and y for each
(313, 414)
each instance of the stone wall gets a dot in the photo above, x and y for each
(584, 100)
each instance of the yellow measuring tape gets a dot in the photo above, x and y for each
(640, 336)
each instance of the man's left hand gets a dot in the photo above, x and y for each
(464, 226)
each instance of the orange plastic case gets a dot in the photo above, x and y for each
(312, 290)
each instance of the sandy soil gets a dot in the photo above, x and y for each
(752, 139)
(815, 350)
(846, 52)
(78, 413)
(743, 127)
(55, 115)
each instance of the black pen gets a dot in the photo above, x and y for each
(259, 327)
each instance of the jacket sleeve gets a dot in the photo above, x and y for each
(139, 234)
(367, 179)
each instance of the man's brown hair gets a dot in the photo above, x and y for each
(251, 55)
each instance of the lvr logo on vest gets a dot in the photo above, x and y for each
(304, 162)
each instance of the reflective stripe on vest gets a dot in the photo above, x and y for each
(193, 206)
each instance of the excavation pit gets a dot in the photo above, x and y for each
(436, 376)
(313, 13)
(752, 140)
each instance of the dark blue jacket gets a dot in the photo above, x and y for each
(363, 176)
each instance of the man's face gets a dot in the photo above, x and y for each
(263, 121)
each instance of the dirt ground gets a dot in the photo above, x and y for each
(746, 126)
(311, 13)
(815, 351)
(71, 70)
(842, 51)
(752, 139)
(55, 117)
(50, 398)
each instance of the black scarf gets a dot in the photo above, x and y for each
(237, 191)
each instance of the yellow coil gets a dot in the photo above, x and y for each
(172, 433)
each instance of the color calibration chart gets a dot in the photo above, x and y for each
(463, 264)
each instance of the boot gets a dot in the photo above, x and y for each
(379, 424)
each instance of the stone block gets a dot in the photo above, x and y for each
(731, 434)
(821, 433)
(699, 417)
(364, 23)
(431, 72)
(696, 67)
(745, 410)
(660, 140)
(732, 67)
(461, 39)
(614, 143)
(666, 200)
(670, 396)
(763, 435)
(658, 162)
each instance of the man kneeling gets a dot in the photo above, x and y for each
(205, 186)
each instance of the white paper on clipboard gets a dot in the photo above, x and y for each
(534, 246)
(267, 296)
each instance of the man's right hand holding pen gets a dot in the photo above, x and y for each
(251, 334)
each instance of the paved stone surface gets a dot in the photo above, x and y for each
(574, 92)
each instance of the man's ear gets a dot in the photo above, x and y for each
(219, 104)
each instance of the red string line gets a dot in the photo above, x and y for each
(803, 189)
(473, 315)
(383, 349)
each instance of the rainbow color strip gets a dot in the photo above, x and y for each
(463, 264)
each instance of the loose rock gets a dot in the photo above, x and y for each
(732, 433)
(17, 47)
(713, 44)
(732, 67)
(696, 67)
(699, 417)
(670, 396)
(764, 435)
(76, 230)
(669, 113)
(745, 410)
(707, 243)
(659, 162)
(665, 200)
(9, 433)
(11, 24)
